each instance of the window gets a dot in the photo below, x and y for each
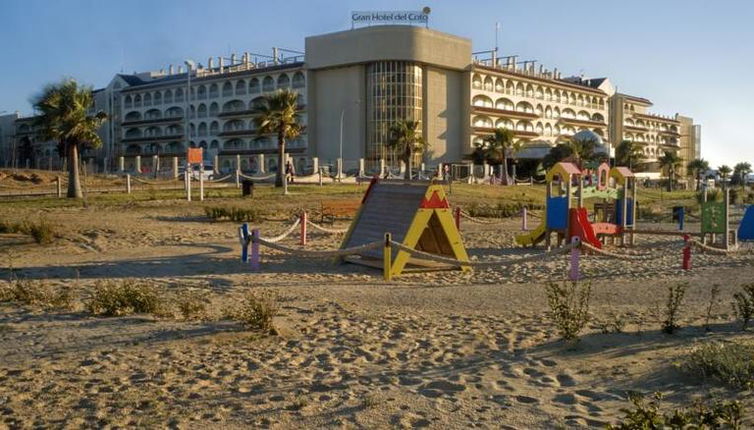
(214, 92)
(253, 86)
(482, 101)
(174, 112)
(214, 108)
(240, 88)
(234, 106)
(227, 89)
(298, 80)
(268, 84)
(202, 111)
(283, 81)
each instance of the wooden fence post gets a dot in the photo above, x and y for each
(303, 219)
(58, 187)
(387, 258)
(128, 183)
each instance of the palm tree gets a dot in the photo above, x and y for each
(628, 153)
(698, 166)
(724, 172)
(499, 145)
(277, 114)
(583, 150)
(65, 118)
(672, 162)
(741, 172)
(557, 153)
(407, 141)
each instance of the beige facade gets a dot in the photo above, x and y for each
(352, 86)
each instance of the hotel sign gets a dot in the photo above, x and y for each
(390, 17)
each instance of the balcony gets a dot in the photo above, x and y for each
(506, 112)
(237, 133)
(517, 133)
(153, 121)
(635, 128)
(152, 138)
(585, 122)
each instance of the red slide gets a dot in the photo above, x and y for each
(581, 227)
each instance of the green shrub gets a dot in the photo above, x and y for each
(730, 363)
(503, 209)
(112, 298)
(673, 306)
(743, 305)
(36, 293)
(192, 304)
(233, 213)
(647, 415)
(569, 307)
(256, 311)
(41, 231)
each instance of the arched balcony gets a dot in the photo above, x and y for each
(240, 87)
(214, 91)
(227, 89)
(254, 86)
(268, 84)
(482, 101)
(298, 80)
(284, 81)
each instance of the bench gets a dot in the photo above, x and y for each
(338, 209)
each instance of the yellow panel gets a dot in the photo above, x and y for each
(418, 224)
(531, 237)
(454, 236)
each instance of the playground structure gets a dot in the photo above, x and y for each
(615, 186)
(418, 216)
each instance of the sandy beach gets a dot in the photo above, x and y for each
(436, 350)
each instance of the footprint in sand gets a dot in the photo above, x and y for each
(527, 399)
(566, 380)
(438, 388)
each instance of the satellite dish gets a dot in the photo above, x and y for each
(426, 10)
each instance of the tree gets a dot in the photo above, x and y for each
(277, 114)
(557, 153)
(584, 150)
(406, 140)
(724, 172)
(499, 145)
(629, 154)
(671, 162)
(65, 118)
(698, 166)
(740, 172)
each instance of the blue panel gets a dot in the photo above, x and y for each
(619, 212)
(746, 229)
(557, 213)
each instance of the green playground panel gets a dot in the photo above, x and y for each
(713, 217)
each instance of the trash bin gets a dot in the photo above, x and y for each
(247, 188)
(678, 213)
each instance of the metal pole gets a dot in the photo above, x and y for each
(340, 153)
(59, 188)
(128, 183)
(201, 182)
(387, 259)
(188, 182)
(303, 228)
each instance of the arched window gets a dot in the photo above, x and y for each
(227, 89)
(234, 106)
(174, 112)
(482, 121)
(214, 145)
(214, 109)
(153, 114)
(482, 101)
(131, 116)
(583, 115)
(147, 99)
(283, 81)
(240, 88)
(538, 110)
(509, 88)
(133, 132)
(192, 130)
(598, 117)
(214, 91)
(153, 132)
(203, 129)
(476, 82)
(519, 89)
(192, 111)
(256, 103)
(488, 84)
(174, 130)
(524, 126)
(137, 100)
(504, 123)
(548, 112)
(214, 128)
(268, 84)
(539, 129)
(201, 92)
(298, 80)
(179, 95)
(499, 86)
(234, 125)
(234, 144)
(568, 113)
(529, 90)
(253, 86)
(524, 107)
(168, 96)
(157, 98)
(128, 101)
(548, 130)
(504, 104)
(556, 112)
(539, 93)
(202, 111)
(548, 95)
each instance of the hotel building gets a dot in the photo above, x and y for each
(352, 85)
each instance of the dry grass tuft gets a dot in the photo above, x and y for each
(36, 293)
(257, 311)
(731, 363)
(117, 298)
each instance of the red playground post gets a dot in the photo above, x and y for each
(457, 216)
(686, 264)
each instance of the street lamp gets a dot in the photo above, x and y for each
(340, 153)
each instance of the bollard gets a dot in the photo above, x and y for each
(574, 274)
(303, 228)
(59, 188)
(128, 183)
(387, 259)
(201, 183)
(524, 222)
(255, 250)
(457, 216)
(243, 237)
(238, 178)
(188, 185)
(686, 264)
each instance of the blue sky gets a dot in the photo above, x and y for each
(688, 56)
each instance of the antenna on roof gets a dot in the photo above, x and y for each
(495, 52)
